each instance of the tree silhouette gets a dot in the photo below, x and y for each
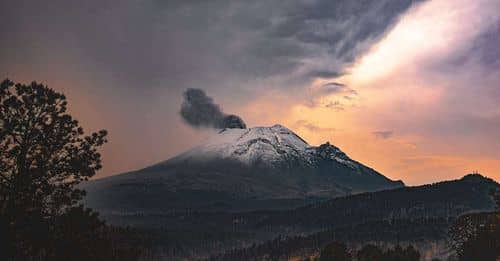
(495, 195)
(79, 235)
(43, 155)
(373, 253)
(477, 236)
(335, 251)
(370, 253)
(399, 253)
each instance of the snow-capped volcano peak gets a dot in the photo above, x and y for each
(261, 163)
(266, 144)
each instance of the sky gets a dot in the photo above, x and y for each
(410, 88)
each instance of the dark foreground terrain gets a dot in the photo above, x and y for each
(420, 216)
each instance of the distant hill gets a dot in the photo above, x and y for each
(428, 235)
(443, 199)
(420, 213)
(236, 170)
(419, 216)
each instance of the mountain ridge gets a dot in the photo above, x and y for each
(409, 214)
(237, 165)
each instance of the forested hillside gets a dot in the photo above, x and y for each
(410, 214)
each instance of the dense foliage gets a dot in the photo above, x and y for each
(43, 155)
(282, 248)
(413, 214)
(398, 253)
(335, 251)
(476, 236)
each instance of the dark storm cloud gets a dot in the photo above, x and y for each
(486, 47)
(343, 28)
(109, 43)
(337, 89)
(133, 58)
(323, 74)
(200, 111)
(334, 87)
(137, 44)
(298, 40)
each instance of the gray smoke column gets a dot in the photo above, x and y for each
(200, 111)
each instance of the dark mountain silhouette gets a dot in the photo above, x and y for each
(239, 169)
(420, 214)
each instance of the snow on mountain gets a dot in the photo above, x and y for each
(239, 169)
(266, 145)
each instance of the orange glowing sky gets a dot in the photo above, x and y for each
(394, 91)
(416, 97)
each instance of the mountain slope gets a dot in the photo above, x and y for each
(238, 169)
(409, 214)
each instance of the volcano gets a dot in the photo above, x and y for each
(235, 170)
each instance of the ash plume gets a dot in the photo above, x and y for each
(199, 111)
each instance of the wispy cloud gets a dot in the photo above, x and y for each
(312, 127)
(383, 134)
(335, 105)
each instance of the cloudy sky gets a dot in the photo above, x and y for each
(410, 88)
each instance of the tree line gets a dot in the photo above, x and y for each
(44, 154)
(474, 236)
